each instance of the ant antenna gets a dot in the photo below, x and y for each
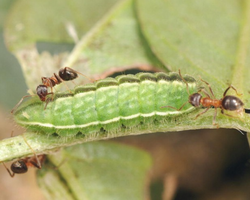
(184, 82)
(17, 105)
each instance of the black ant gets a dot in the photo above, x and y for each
(21, 166)
(227, 102)
(65, 74)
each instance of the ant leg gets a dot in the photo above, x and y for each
(208, 85)
(38, 161)
(202, 113)
(11, 174)
(67, 85)
(184, 82)
(17, 105)
(52, 93)
(230, 86)
(47, 102)
(49, 99)
(174, 107)
(222, 112)
(215, 114)
(74, 82)
(205, 92)
(35, 163)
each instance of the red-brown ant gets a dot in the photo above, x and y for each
(21, 166)
(227, 102)
(65, 74)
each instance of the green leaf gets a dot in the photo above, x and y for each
(52, 186)
(32, 21)
(4, 7)
(206, 38)
(193, 47)
(24, 30)
(113, 44)
(97, 170)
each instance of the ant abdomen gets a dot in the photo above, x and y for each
(19, 167)
(67, 75)
(231, 103)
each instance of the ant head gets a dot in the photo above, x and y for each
(195, 99)
(19, 167)
(42, 92)
(67, 74)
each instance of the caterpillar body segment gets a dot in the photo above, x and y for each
(110, 105)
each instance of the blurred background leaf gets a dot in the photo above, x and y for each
(46, 21)
(12, 84)
(98, 170)
(206, 38)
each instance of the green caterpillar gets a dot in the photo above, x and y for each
(111, 105)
